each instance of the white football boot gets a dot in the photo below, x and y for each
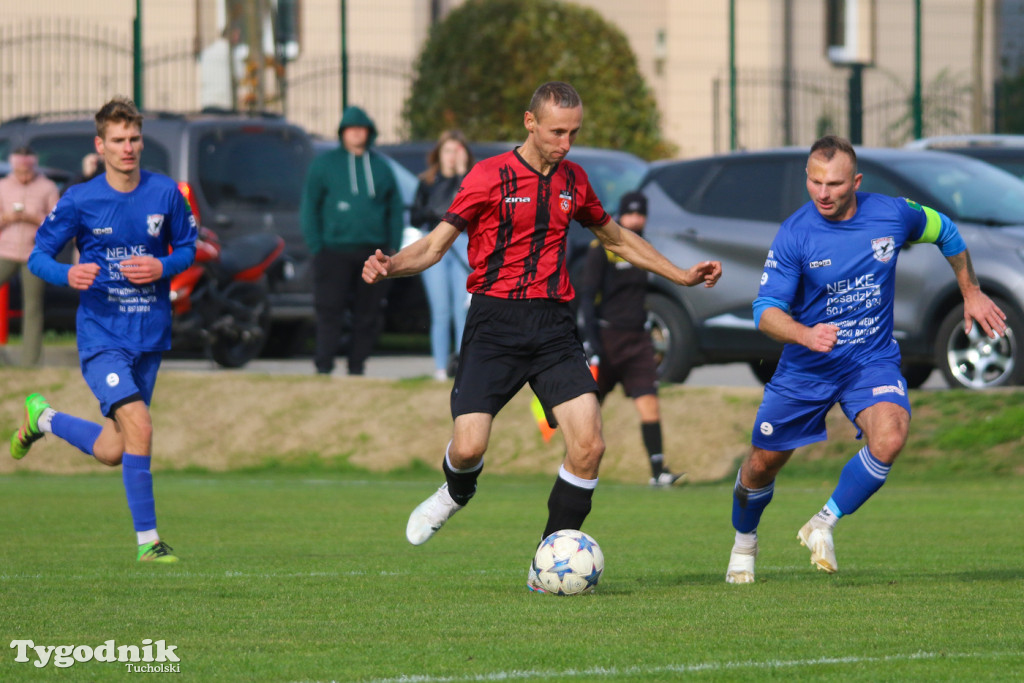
(533, 581)
(741, 565)
(666, 479)
(430, 515)
(823, 549)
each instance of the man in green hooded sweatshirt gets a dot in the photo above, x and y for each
(351, 206)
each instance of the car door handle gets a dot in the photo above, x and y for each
(687, 235)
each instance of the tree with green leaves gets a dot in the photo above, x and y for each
(481, 64)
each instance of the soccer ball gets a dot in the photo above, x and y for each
(568, 562)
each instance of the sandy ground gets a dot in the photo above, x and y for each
(226, 421)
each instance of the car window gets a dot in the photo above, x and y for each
(874, 180)
(680, 180)
(972, 190)
(611, 177)
(65, 151)
(252, 169)
(751, 189)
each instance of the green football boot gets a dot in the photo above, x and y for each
(29, 431)
(156, 552)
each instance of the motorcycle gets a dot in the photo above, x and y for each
(220, 302)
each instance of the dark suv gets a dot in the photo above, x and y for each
(243, 174)
(729, 207)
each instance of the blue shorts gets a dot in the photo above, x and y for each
(120, 376)
(792, 413)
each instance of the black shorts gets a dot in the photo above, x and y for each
(507, 343)
(629, 359)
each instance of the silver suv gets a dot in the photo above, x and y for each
(729, 207)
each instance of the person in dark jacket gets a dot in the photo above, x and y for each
(351, 206)
(614, 330)
(445, 283)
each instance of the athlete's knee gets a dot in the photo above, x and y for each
(109, 454)
(762, 466)
(886, 446)
(466, 452)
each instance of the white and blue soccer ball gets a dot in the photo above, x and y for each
(568, 562)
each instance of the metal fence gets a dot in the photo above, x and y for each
(801, 107)
(58, 64)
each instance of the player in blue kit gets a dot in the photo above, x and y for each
(134, 232)
(827, 292)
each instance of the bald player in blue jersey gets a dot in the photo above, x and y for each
(827, 292)
(134, 232)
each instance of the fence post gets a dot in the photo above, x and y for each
(4, 299)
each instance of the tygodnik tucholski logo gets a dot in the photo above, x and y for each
(150, 657)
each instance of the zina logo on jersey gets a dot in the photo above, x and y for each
(154, 222)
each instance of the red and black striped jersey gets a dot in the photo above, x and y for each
(518, 222)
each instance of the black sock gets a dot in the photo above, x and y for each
(651, 432)
(568, 506)
(461, 485)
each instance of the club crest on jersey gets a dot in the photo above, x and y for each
(565, 201)
(154, 222)
(884, 248)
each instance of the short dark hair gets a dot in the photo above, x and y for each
(556, 92)
(830, 144)
(121, 110)
(23, 150)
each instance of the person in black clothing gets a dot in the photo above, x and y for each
(615, 332)
(445, 283)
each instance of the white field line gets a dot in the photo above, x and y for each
(596, 672)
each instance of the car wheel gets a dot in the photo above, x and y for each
(241, 328)
(973, 361)
(675, 342)
(916, 374)
(764, 369)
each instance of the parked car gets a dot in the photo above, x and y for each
(612, 173)
(729, 207)
(1004, 151)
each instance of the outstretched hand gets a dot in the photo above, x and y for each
(707, 272)
(978, 307)
(376, 267)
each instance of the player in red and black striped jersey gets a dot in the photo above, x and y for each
(516, 209)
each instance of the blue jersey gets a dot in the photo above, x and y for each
(844, 273)
(108, 227)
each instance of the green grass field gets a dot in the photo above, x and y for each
(306, 576)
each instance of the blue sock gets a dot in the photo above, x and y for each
(861, 477)
(80, 433)
(138, 488)
(748, 504)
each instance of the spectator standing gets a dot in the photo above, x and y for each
(616, 336)
(26, 198)
(351, 206)
(445, 283)
(134, 231)
(92, 166)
